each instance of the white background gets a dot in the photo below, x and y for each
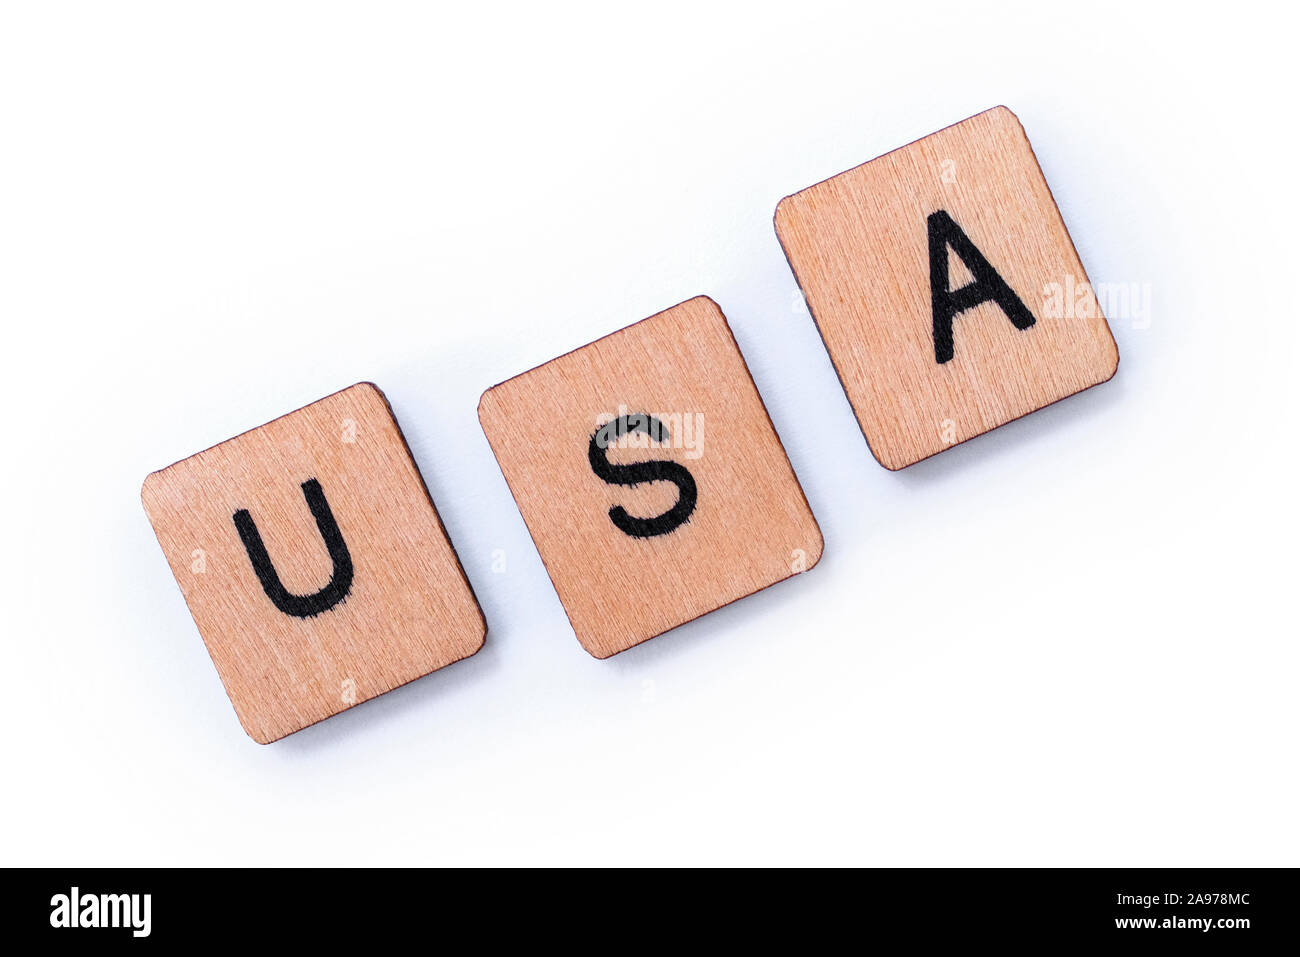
(1068, 642)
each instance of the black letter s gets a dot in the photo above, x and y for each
(636, 473)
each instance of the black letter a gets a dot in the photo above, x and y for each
(988, 285)
(301, 606)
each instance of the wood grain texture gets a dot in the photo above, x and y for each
(751, 526)
(858, 245)
(409, 609)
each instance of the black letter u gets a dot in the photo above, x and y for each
(301, 606)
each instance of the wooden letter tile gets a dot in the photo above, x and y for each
(946, 288)
(650, 477)
(314, 562)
